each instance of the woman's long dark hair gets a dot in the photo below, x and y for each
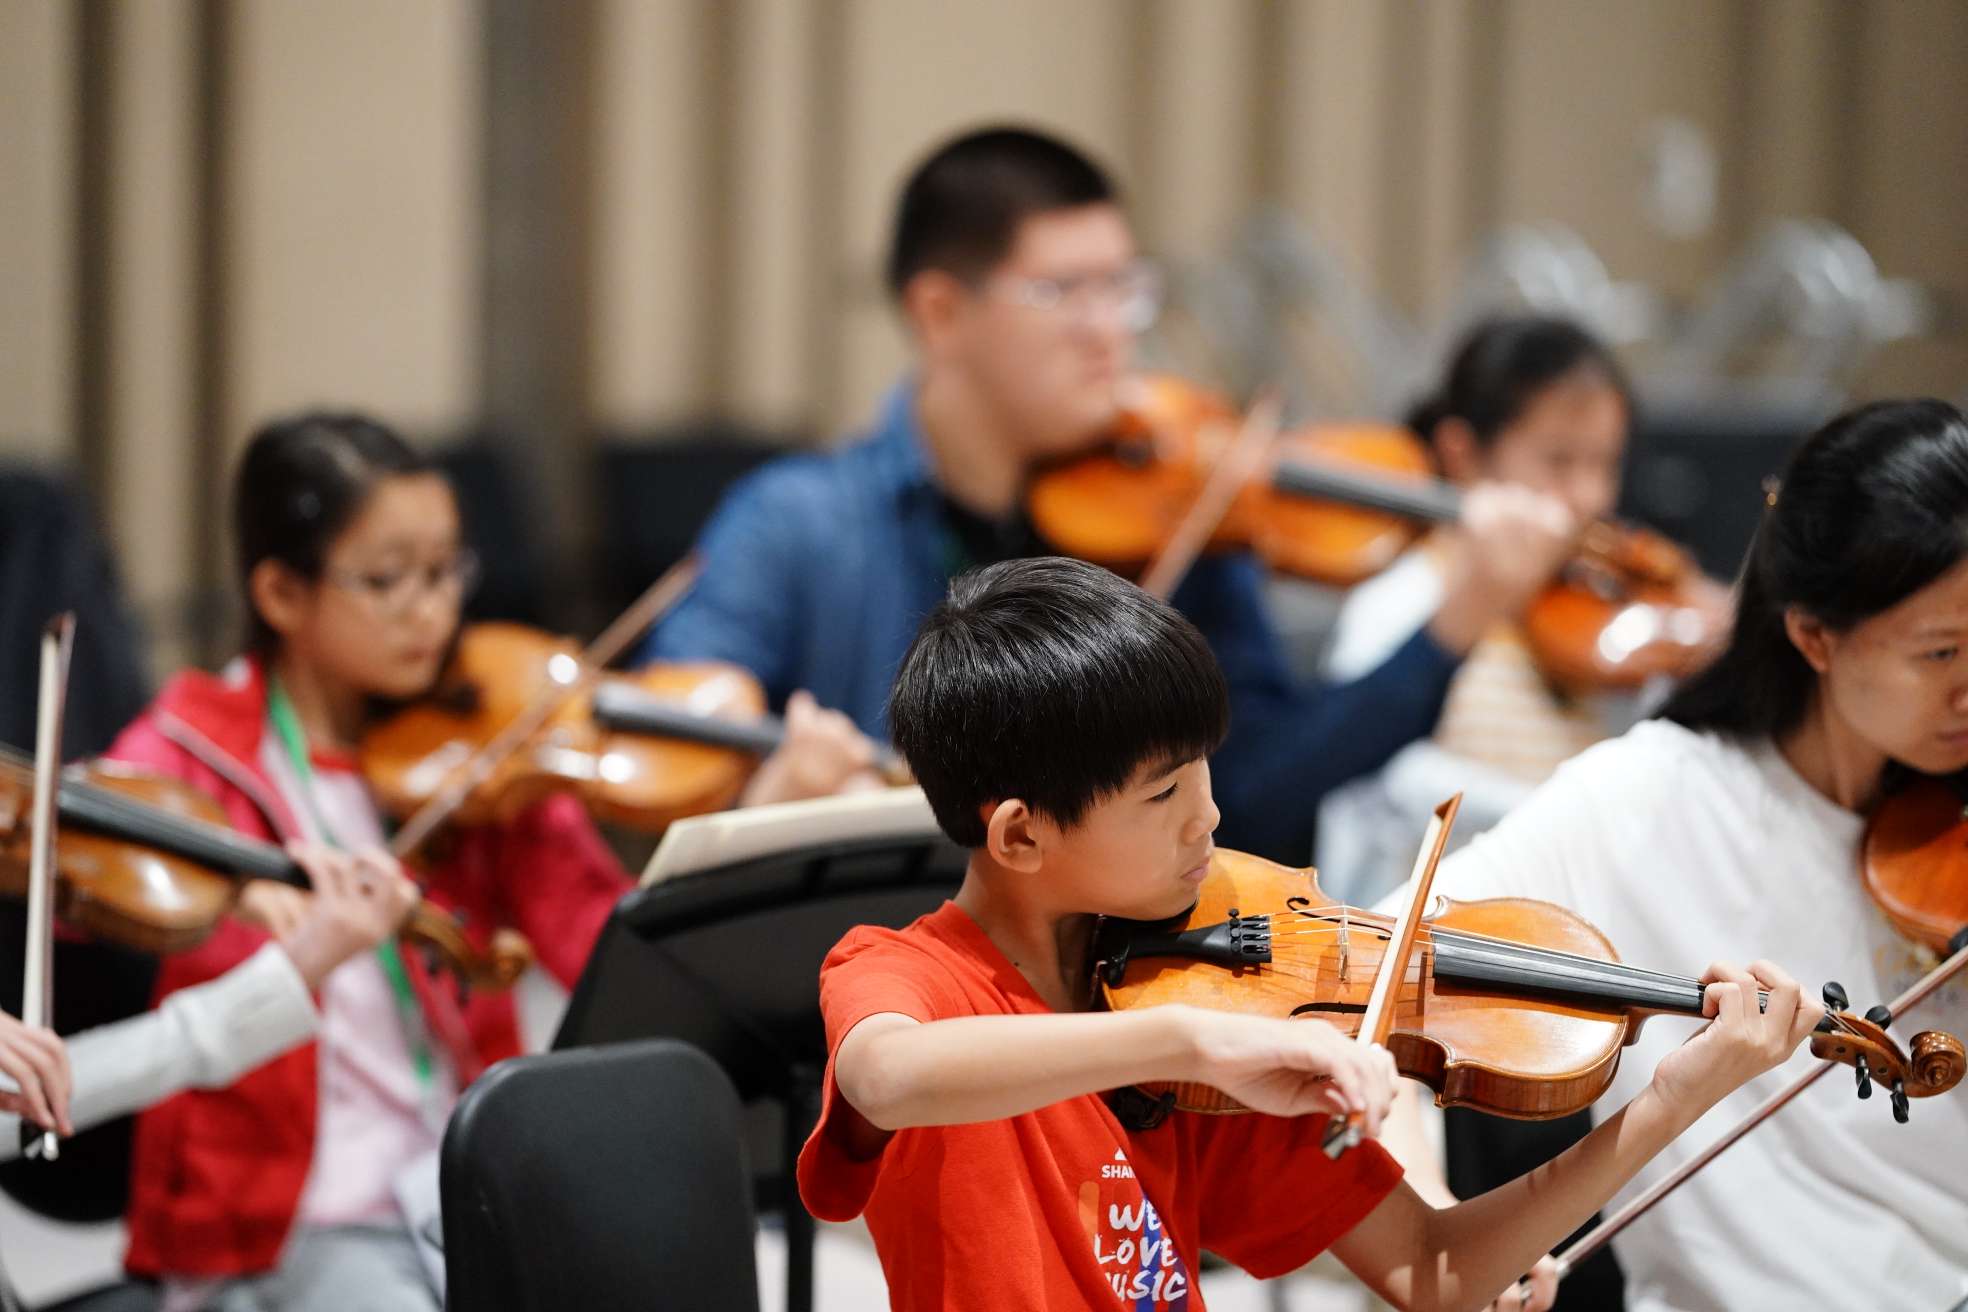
(302, 481)
(1503, 364)
(1871, 509)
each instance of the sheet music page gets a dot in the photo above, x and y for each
(704, 842)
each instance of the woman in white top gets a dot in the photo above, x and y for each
(1535, 401)
(1730, 827)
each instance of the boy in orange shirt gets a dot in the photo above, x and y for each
(1059, 721)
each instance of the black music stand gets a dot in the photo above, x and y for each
(728, 959)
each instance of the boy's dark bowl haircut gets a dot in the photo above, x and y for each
(1053, 681)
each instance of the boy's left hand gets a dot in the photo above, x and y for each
(1741, 1042)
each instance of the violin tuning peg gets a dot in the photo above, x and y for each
(1835, 997)
(1900, 1101)
(1881, 1015)
(1865, 1076)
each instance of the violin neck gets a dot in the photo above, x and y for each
(1493, 963)
(92, 809)
(1433, 502)
(624, 708)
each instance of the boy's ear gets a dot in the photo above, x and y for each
(1011, 835)
(278, 594)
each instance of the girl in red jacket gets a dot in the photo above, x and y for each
(282, 1191)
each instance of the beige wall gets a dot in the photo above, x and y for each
(37, 225)
(351, 209)
(292, 198)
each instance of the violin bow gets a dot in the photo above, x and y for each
(563, 685)
(1378, 1022)
(1602, 1234)
(38, 984)
(1232, 472)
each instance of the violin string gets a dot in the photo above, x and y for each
(1321, 951)
(1371, 925)
(1525, 950)
(1276, 968)
(1530, 952)
(1411, 983)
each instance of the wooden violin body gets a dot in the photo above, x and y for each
(1915, 863)
(635, 779)
(1339, 503)
(1512, 1006)
(149, 862)
(142, 897)
(1118, 506)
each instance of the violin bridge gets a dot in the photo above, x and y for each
(1345, 942)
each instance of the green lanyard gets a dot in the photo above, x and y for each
(287, 724)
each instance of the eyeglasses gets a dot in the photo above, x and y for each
(394, 593)
(1134, 293)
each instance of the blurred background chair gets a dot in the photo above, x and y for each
(601, 1179)
(654, 491)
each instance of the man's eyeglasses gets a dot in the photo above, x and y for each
(1134, 293)
(394, 593)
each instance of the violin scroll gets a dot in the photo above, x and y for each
(496, 966)
(1937, 1063)
(1936, 1066)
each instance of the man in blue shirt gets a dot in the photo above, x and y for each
(1017, 275)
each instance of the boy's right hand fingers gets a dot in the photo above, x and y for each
(1380, 1075)
(1348, 1084)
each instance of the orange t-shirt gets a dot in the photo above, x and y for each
(1061, 1207)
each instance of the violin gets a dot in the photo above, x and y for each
(1339, 503)
(1914, 860)
(1508, 1005)
(149, 862)
(641, 749)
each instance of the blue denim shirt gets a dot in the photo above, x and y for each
(818, 567)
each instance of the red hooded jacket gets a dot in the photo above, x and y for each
(218, 1174)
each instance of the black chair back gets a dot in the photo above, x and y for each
(1696, 471)
(500, 523)
(654, 492)
(602, 1178)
